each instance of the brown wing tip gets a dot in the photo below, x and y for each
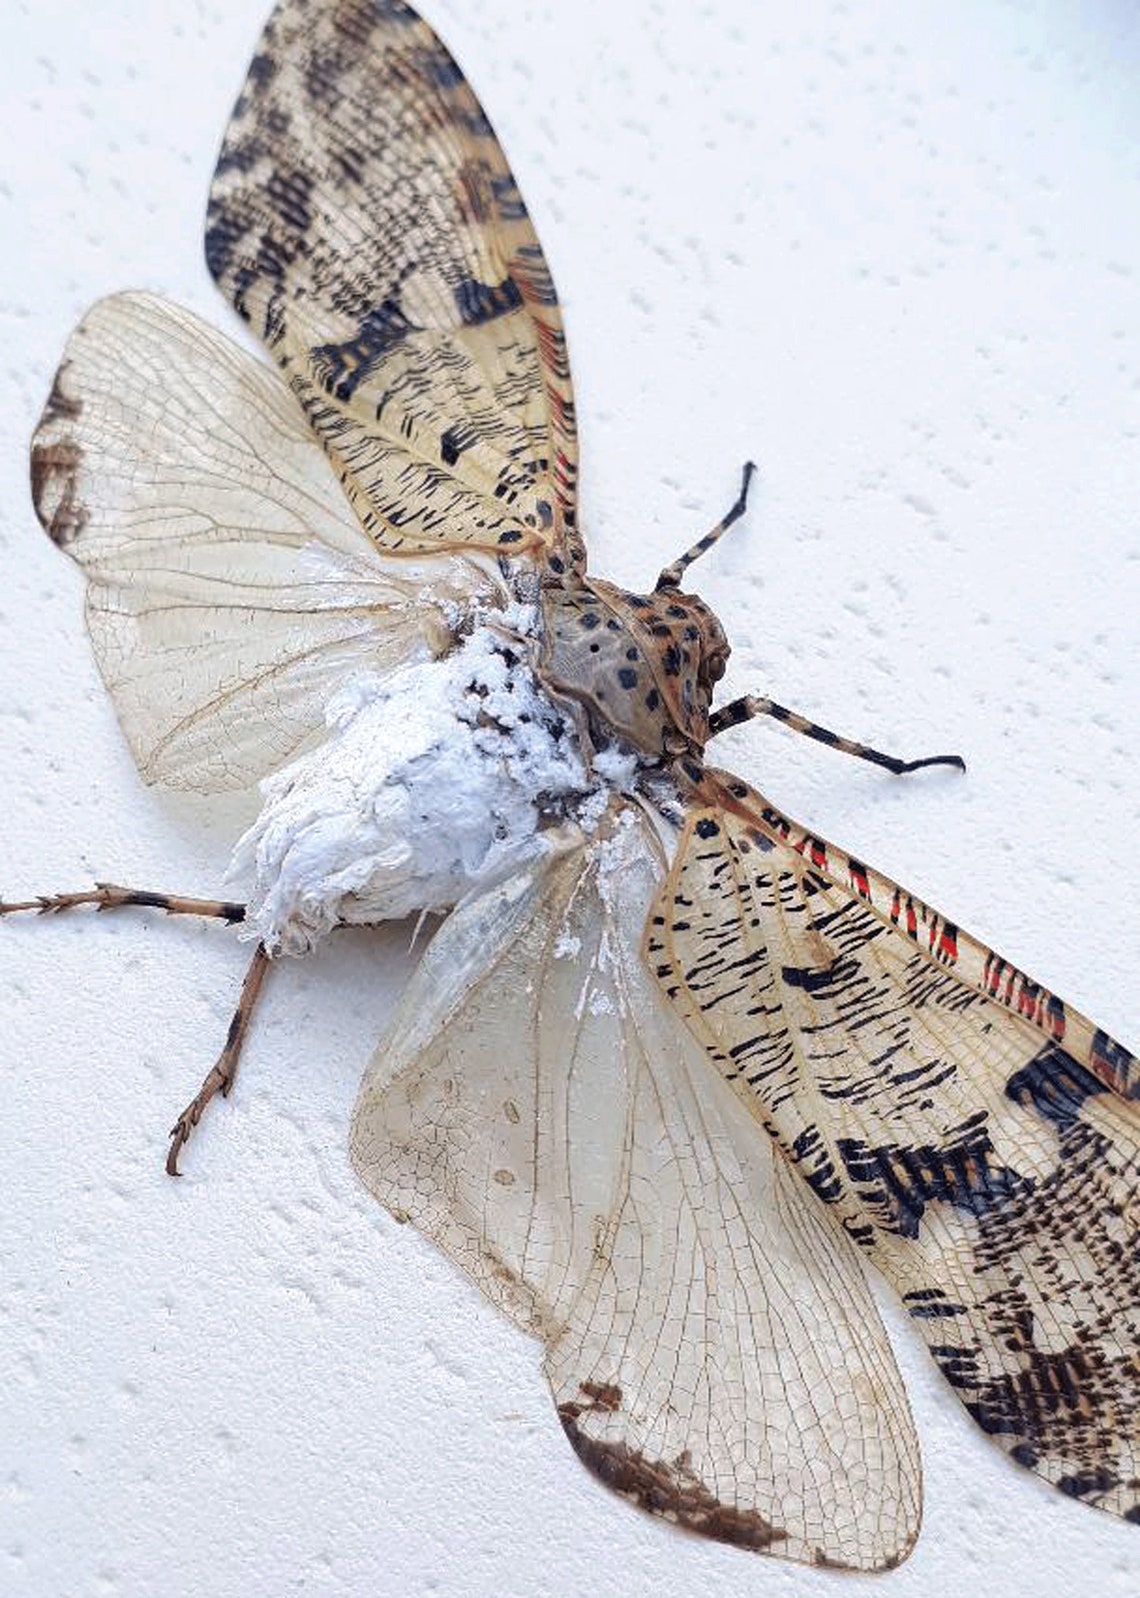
(55, 462)
(668, 1488)
(673, 1490)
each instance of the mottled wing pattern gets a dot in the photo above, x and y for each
(230, 588)
(977, 1137)
(711, 1345)
(363, 219)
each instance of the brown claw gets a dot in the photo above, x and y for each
(178, 1136)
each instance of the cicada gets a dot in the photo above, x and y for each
(673, 1067)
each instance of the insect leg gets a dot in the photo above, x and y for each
(108, 896)
(752, 705)
(220, 1077)
(671, 576)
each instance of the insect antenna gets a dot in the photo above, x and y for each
(671, 576)
(749, 706)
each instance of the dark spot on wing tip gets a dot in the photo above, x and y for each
(61, 406)
(55, 492)
(668, 1488)
(1133, 1514)
(707, 828)
(602, 1395)
(869, 1565)
(1083, 1484)
(218, 243)
(262, 70)
(822, 1560)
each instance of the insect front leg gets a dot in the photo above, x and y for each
(753, 705)
(109, 896)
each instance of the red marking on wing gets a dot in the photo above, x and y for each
(548, 339)
(1029, 1000)
(814, 849)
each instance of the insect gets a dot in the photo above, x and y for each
(673, 1065)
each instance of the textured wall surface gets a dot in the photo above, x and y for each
(889, 249)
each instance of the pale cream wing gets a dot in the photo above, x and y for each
(491, 1115)
(230, 588)
(711, 1345)
(364, 221)
(975, 1135)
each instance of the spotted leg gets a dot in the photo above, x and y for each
(752, 705)
(220, 1077)
(671, 576)
(109, 896)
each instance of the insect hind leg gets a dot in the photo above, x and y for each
(110, 896)
(671, 576)
(220, 1077)
(753, 705)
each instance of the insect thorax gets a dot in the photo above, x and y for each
(642, 666)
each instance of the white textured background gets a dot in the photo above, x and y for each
(889, 249)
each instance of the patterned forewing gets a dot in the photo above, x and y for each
(363, 219)
(230, 588)
(978, 1138)
(710, 1342)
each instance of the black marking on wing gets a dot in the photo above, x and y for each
(1055, 1085)
(483, 302)
(899, 1182)
(343, 367)
(824, 980)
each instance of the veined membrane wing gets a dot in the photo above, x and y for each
(711, 1344)
(230, 587)
(364, 221)
(977, 1137)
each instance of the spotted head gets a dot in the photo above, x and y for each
(643, 666)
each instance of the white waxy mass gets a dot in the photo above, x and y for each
(431, 781)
